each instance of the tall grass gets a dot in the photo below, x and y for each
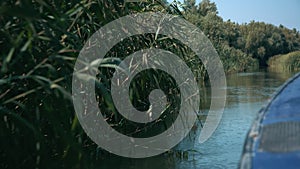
(286, 62)
(39, 43)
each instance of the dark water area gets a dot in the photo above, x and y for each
(246, 94)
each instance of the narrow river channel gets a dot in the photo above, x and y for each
(246, 94)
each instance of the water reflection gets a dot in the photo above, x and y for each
(246, 93)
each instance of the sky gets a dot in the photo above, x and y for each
(285, 12)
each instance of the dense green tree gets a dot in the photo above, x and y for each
(206, 7)
(189, 6)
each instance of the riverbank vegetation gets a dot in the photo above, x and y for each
(241, 47)
(286, 62)
(40, 41)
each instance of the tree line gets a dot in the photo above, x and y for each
(241, 46)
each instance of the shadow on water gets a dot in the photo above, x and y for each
(246, 94)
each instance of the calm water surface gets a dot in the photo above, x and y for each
(246, 94)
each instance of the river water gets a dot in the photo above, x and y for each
(246, 94)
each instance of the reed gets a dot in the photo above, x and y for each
(40, 41)
(286, 62)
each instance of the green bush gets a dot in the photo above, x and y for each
(234, 60)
